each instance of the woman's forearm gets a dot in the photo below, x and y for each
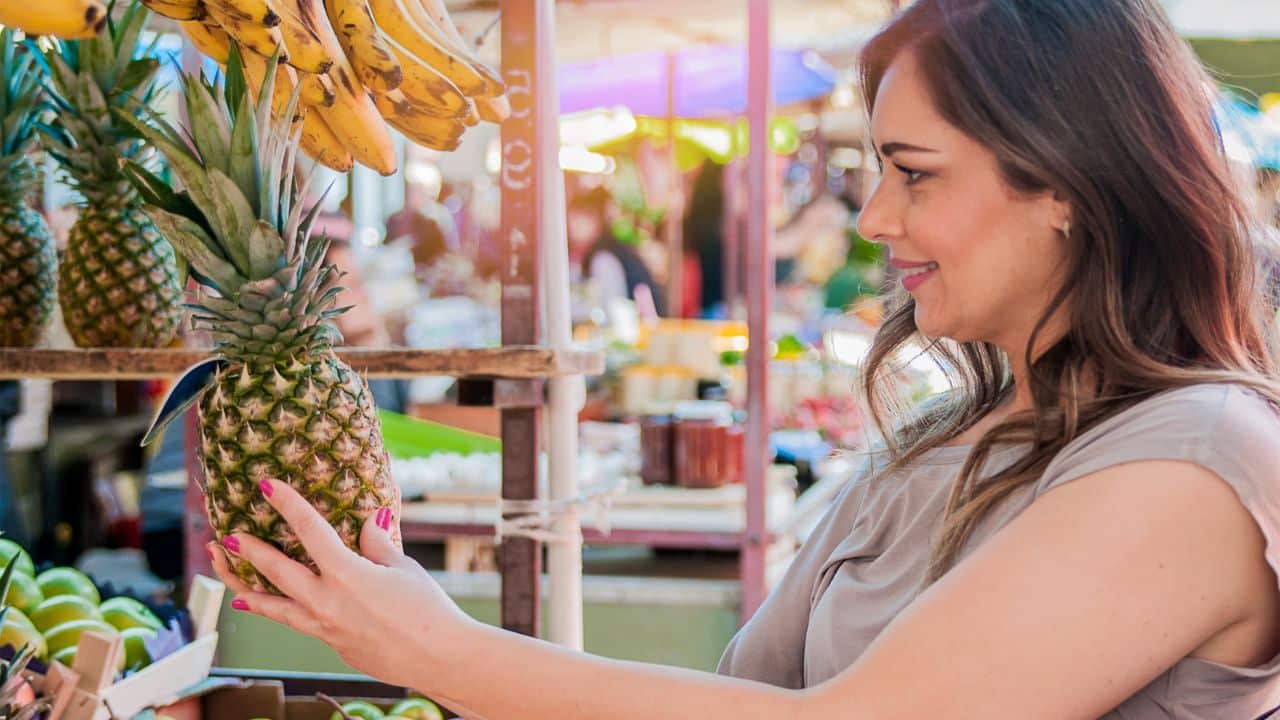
(498, 674)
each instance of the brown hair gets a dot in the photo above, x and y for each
(1102, 103)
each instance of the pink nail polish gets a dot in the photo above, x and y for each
(383, 518)
(241, 605)
(231, 543)
(265, 487)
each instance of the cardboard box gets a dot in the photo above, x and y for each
(226, 699)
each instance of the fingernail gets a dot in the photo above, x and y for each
(231, 543)
(239, 604)
(265, 487)
(383, 518)
(210, 549)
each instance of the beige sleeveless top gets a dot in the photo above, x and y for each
(864, 563)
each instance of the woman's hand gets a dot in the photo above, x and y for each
(382, 612)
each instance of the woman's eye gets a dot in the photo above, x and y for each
(913, 176)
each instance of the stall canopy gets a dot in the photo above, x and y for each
(709, 81)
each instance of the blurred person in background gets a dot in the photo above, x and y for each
(612, 266)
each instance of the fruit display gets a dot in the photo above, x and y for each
(119, 283)
(408, 709)
(275, 402)
(67, 19)
(60, 605)
(361, 66)
(27, 255)
(17, 697)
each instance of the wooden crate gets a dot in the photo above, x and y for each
(87, 691)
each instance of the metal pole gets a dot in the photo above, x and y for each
(759, 288)
(519, 558)
(675, 193)
(566, 395)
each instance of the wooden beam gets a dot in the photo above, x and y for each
(524, 361)
(520, 559)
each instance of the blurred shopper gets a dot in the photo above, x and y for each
(613, 267)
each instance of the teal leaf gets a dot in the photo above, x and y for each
(193, 383)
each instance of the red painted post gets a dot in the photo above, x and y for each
(520, 559)
(759, 290)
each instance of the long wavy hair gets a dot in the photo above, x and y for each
(1102, 103)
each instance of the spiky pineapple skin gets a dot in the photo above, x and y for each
(118, 281)
(310, 424)
(28, 275)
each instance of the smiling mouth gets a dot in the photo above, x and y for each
(912, 272)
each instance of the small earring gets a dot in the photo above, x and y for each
(1066, 228)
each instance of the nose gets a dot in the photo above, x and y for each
(881, 218)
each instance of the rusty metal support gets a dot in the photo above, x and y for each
(519, 558)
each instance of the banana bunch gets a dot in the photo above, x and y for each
(66, 19)
(360, 66)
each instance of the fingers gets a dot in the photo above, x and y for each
(377, 542)
(223, 569)
(288, 575)
(278, 609)
(313, 531)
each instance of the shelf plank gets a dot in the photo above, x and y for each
(129, 364)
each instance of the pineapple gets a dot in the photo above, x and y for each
(27, 255)
(119, 282)
(276, 402)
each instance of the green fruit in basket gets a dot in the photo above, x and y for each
(9, 550)
(61, 609)
(361, 710)
(136, 656)
(67, 581)
(125, 612)
(416, 709)
(68, 634)
(18, 631)
(24, 593)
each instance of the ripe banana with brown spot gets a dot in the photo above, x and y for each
(418, 124)
(301, 40)
(250, 35)
(317, 90)
(405, 22)
(255, 74)
(353, 116)
(257, 12)
(358, 32)
(174, 10)
(209, 39)
(321, 144)
(67, 19)
(439, 14)
(426, 85)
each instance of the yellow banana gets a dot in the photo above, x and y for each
(67, 19)
(301, 40)
(255, 72)
(358, 33)
(256, 37)
(439, 14)
(255, 12)
(493, 109)
(317, 90)
(352, 117)
(421, 127)
(405, 22)
(180, 11)
(425, 85)
(320, 143)
(209, 39)
(472, 116)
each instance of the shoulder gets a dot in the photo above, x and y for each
(1228, 429)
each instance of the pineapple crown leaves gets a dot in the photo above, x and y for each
(89, 82)
(21, 101)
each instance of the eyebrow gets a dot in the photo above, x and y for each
(888, 149)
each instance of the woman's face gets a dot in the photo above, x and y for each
(988, 257)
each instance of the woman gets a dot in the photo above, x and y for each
(1088, 526)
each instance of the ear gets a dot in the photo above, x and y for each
(1059, 211)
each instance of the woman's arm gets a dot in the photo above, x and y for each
(1083, 599)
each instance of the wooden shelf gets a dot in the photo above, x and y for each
(511, 361)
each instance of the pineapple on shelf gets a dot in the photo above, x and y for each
(28, 259)
(119, 281)
(275, 402)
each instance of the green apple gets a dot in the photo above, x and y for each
(67, 581)
(136, 656)
(8, 551)
(68, 634)
(23, 594)
(18, 631)
(60, 609)
(417, 709)
(361, 710)
(125, 612)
